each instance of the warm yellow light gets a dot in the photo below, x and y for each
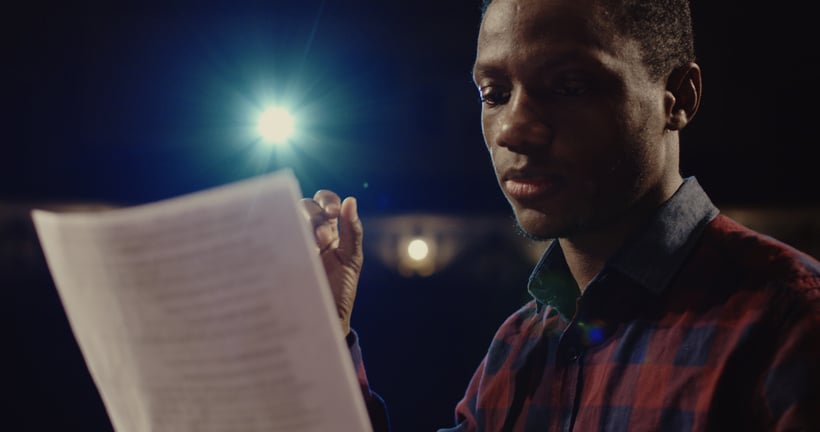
(276, 125)
(417, 249)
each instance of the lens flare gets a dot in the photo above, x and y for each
(276, 125)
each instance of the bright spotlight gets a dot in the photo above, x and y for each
(276, 125)
(417, 249)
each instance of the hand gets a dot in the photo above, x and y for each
(338, 232)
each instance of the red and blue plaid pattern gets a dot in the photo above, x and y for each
(698, 323)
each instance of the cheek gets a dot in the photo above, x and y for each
(495, 160)
(486, 129)
(591, 146)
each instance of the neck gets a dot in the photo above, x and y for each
(587, 253)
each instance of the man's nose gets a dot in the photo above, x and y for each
(523, 125)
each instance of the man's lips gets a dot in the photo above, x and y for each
(529, 187)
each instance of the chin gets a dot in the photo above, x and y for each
(538, 226)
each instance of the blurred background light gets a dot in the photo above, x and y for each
(417, 249)
(419, 255)
(428, 244)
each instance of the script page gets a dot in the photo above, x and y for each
(207, 312)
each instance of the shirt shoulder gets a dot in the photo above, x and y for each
(519, 321)
(755, 261)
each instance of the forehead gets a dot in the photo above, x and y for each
(531, 27)
(535, 17)
(522, 39)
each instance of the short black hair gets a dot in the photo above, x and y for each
(663, 28)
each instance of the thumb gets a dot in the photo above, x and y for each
(351, 231)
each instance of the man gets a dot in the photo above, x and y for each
(651, 311)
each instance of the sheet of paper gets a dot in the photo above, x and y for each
(207, 312)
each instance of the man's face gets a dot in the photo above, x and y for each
(571, 118)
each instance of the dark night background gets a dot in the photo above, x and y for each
(126, 103)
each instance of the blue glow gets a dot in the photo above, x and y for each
(595, 335)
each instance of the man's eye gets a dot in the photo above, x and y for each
(571, 88)
(492, 97)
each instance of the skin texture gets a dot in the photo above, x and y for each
(583, 140)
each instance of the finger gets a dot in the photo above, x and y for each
(350, 239)
(325, 227)
(329, 201)
(313, 212)
(328, 232)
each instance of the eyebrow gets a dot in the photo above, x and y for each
(485, 70)
(491, 69)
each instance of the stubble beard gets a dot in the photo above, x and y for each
(568, 229)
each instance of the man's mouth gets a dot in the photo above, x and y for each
(530, 187)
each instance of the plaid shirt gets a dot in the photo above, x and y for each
(697, 323)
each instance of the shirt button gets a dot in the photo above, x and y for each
(572, 354)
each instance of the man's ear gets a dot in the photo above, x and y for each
(683, 93)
